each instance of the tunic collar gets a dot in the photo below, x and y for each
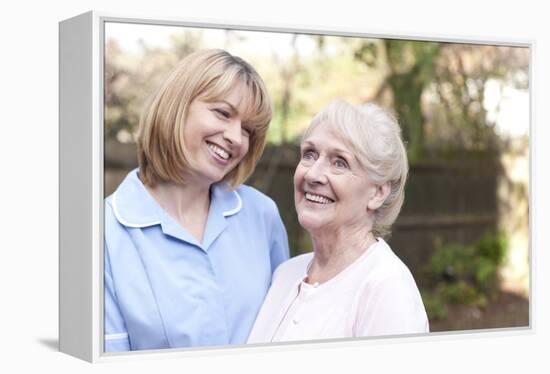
(134, 207)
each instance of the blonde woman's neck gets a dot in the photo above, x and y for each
(187, 204)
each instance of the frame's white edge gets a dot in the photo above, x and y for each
(75, 187)
(311, 29)
(314, 344)
(80, 187)
(98, 185)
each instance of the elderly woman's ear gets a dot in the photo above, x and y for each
(380, 194)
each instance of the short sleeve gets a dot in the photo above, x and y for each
(116, 337)
(279, 251)
(392, 306)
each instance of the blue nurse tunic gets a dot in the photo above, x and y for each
(164, 289)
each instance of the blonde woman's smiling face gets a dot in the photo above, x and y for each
(216, 136)
(331, 187)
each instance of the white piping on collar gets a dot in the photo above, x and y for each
(239, 206)
(126, 223)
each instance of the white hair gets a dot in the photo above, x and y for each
(374, 136)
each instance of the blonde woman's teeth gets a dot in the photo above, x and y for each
(219, 151)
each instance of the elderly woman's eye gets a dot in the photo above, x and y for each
(341, 164)
(308, 155)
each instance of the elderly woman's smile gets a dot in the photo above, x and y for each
(331, 187)
(318, 199)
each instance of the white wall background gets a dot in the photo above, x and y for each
(29, 186)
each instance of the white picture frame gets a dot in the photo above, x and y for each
(81, 172)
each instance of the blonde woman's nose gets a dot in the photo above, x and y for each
(233, 133)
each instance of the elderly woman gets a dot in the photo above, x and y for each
(189, 251)
(348, 190)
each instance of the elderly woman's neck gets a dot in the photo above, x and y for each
(336, 250)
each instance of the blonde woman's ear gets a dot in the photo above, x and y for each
(379, 196)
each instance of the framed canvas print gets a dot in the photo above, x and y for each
(230, 186)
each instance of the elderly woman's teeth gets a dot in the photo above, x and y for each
(317, 198)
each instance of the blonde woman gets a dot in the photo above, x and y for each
(348, 190)
(189, 250)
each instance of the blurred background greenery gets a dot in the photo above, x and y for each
(464, 112)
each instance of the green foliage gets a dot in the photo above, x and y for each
(434, 304)
(492, 247)
(463, 274)
(461, 292)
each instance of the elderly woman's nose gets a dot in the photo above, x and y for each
(316, 173)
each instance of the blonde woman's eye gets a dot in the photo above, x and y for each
(247, 131)
(222, 113)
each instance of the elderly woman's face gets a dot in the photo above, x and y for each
(331, 188)
(215, 135)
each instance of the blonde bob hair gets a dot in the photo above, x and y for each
(208, 75)
(374, 137)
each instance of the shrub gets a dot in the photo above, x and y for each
(463, 274)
